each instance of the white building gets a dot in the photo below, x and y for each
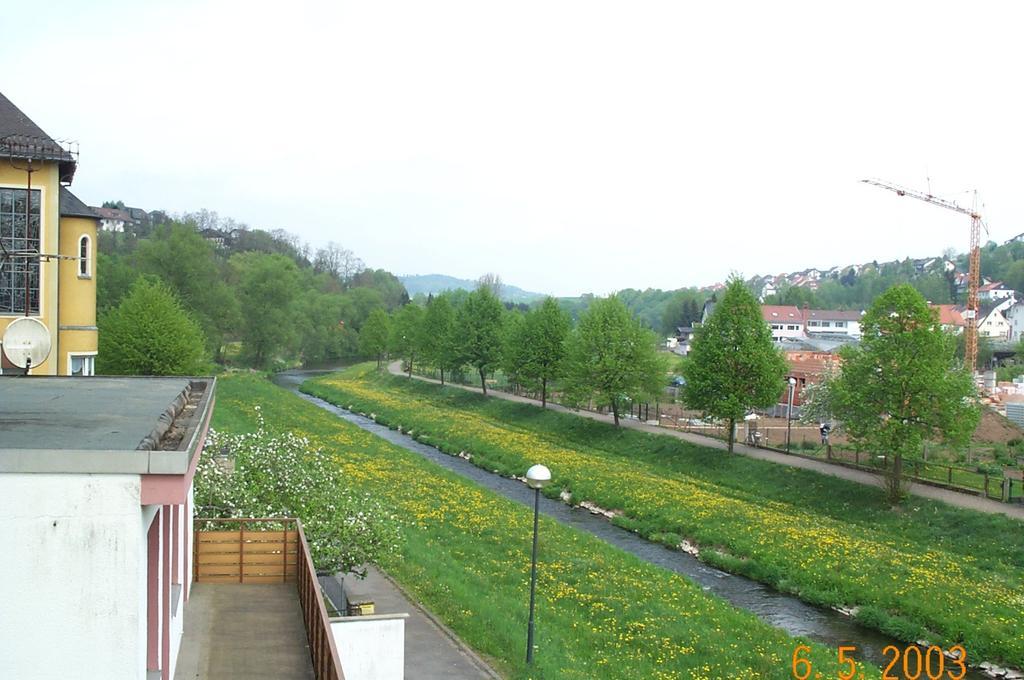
(785, 321)
(96, 519)
(833, 321)
(1014, 316)
(991, 321)
(113, 219)
(995, 291)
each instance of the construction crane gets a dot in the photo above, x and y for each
(974, 262)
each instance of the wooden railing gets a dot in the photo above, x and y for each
(326, 663)
(269, 555)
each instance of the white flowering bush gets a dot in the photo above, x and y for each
(265, 474)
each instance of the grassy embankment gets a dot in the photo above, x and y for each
(927, 571)
(601, 612)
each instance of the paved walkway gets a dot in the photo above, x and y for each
(962, 500)
(432, 651)
(243, 632)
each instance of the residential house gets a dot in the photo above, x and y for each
(950, 318)
(785, 321)
(56, 252)
(991, 322)
(114, 219)
(682, 340)
(1014, 316)
(833, 321)
(995, 291)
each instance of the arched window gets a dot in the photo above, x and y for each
(83, 255)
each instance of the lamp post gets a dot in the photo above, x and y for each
(537, 477)
(789, 412)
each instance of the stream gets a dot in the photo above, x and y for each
(783, 611)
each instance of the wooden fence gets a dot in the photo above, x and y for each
(246, 555)
(276, 552)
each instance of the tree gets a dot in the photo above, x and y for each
(319, 321)
(373, 336)
(438, 344)
(406, 336)
(267, 287)
(187, 262)
(903, 385)
(543, 348)
(612, 358)
(150, 333)
(492, 282)
(114, 278)
(478, 332)
(983, 361)
(339, 262)
(733, 367)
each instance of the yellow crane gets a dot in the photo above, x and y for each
(974, 262)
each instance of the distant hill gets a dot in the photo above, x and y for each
(438, 283)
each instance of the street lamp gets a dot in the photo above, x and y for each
(789, 412)
(537, 477)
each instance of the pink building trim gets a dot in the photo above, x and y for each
(152, 590)
(173, 489)
(165, 638)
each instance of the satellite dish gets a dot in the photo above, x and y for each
(26, 342)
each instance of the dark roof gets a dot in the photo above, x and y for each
(113, 214)
(833, 314)
(986, 307)
(72, 206)
(21, 138)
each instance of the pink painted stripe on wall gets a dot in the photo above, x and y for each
(175, 543)
(152, 581)
(165, 624)
(186, 520)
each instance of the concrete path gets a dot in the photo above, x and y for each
(243, 632)
(962, 500)
(432, 651)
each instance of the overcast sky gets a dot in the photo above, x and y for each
(567, 146)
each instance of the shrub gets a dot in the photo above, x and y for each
(150, 333)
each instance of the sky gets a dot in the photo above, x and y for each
(568, 147)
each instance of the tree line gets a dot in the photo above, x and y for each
(900, 386)
(607, 357)
(232, 295)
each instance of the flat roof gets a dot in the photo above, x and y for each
(91, 418)
(75, 413)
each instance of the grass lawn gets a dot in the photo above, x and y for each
(601, 612)
(925, 571)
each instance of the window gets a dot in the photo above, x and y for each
(813, 323)
(791, 327)
(826, 324)
(83, 257)
(776, 326)
(17, 236)
(840, 324)
(82, 364)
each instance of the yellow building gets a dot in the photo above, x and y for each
(52, 244)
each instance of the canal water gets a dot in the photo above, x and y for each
(778, 609)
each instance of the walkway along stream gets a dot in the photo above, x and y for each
(783, 611)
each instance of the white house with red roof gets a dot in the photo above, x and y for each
(995, 291)
(786, 321)
(950, 318)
